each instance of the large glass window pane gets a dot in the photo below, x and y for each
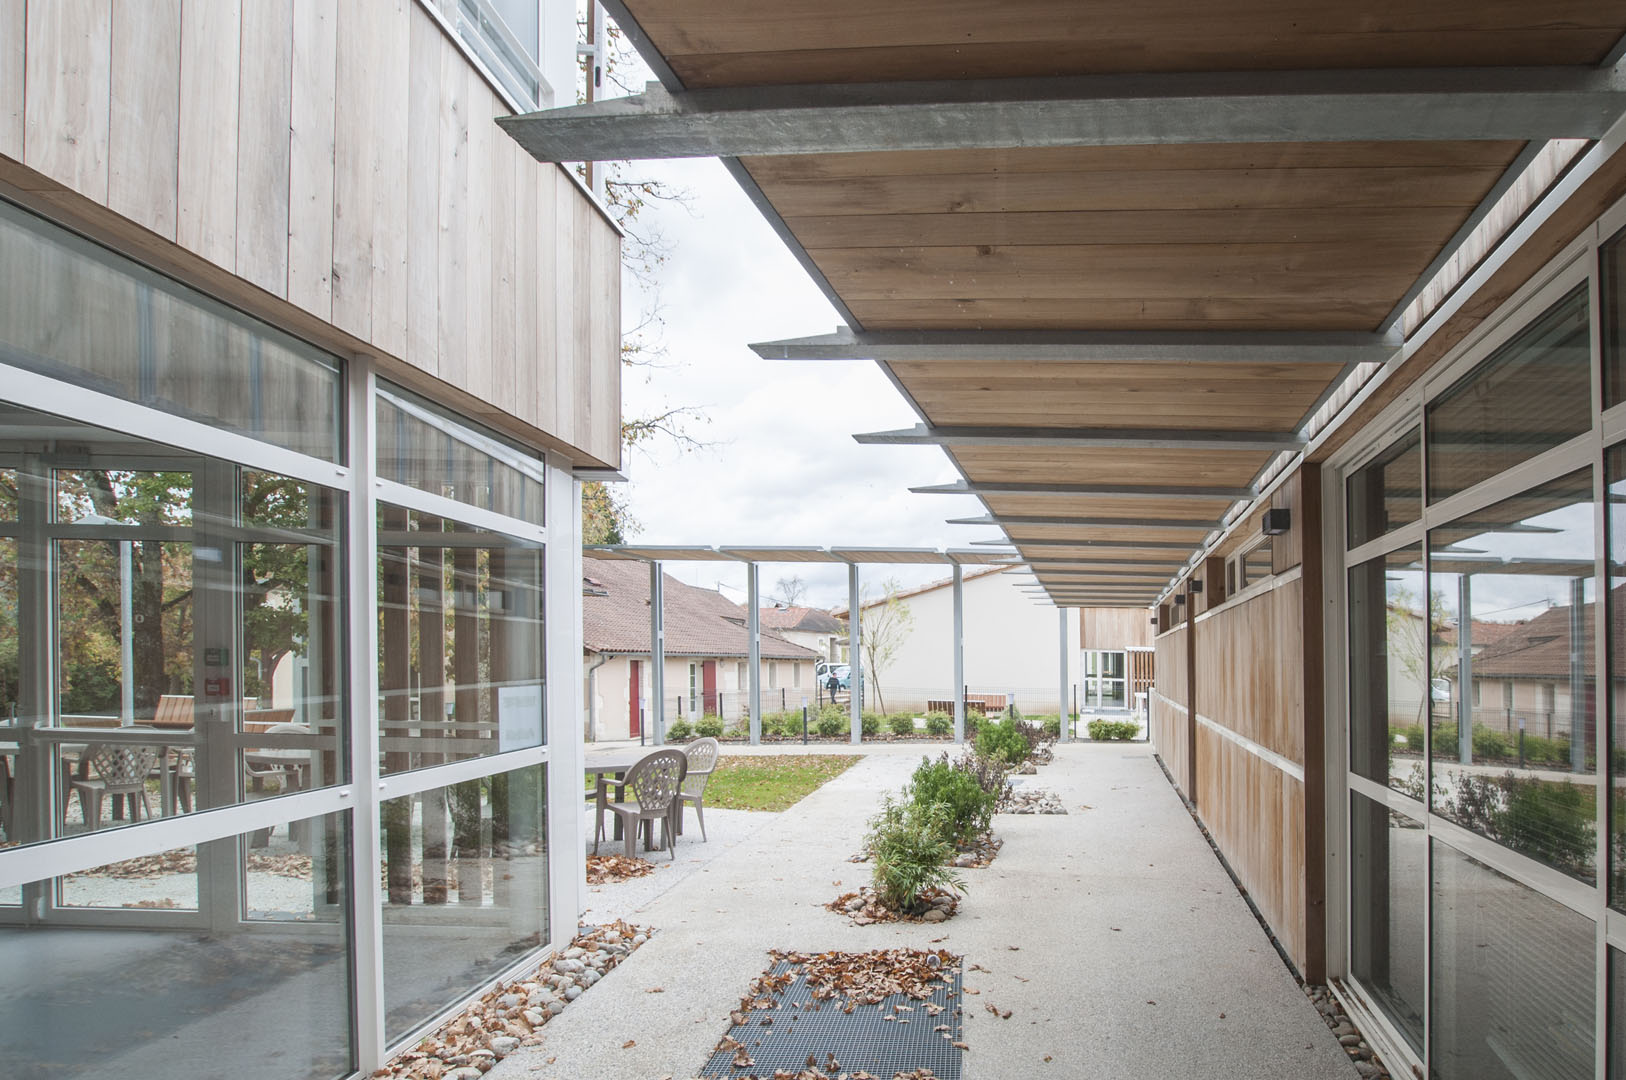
(176, 642)
(460, 641)
(222, 959)
(1615, 473)
(1386, 492)
(465, 872)
(425, 448)
(1612, 258)
(1617, 1015)
(1388, 875)
(1389, 684)
(1512, 711)
(1513, 987)
(80, 313)
(1529, 396)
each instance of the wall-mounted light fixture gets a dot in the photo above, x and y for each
(1197, 586)
(1277, 521)
(1179, 598)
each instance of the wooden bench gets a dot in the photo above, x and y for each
(981, 704)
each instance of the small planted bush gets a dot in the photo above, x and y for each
(1445, 742)
(832, 721)
(901, 723)
(679, 729)
(709, 726)
(967, 808)
(1109, 730)
(1051, 726)
(870, 724)
(1004, 743)
(939, 724)
(1490, 744)
(909, 854)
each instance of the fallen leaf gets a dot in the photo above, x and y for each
(629, 1044)
(656, 990)
(1047, 1056)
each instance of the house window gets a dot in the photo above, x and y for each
(694, 687)
(739, 676)
(773, 674)
(796, 675)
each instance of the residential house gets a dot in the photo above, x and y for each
(707, 653)
(812, 627)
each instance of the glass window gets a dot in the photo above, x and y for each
(1253, 565)
(1527, 397)
(460, 641)
(78, 312)
(153, 966)
(465, 874)
(1388, 872)
(1389, 676)
(1617, 1015)
(1615, 472)
(1386, 492)
(1512, 991)
(1612, 288)
(188, 646)
(1514, 589)
(424, 448)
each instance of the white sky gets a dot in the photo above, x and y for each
(781, 467)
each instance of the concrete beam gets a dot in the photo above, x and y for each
(1333, 348)
(1086, 438)
(1431, 104)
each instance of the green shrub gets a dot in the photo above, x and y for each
(790, 724)
(974, 722)
(1541, 751)
(1003, 742)
(679, 729)
(1549, 821)
(1490, 744)
(1051, 726)
(1108, 730)
(968, 809)
(1445, 741)
(709, 726)
(901, 723)
(909, 853)
(869, 724)
(939, 724)
(1416, 737)
(736, 734)
(832, 722)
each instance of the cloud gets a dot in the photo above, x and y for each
(780, 466)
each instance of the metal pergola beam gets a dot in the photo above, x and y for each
(1332, 348)
(1132, 491)
(1427, 104)
(1048, 565)
(1154, 545)
(1138, 524)
(1084, 438)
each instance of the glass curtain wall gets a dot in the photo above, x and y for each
(1486, 828)
(189, 742)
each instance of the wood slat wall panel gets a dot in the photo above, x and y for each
(1287, 549)
(211, 51)
(335, 170)
(1113, 628)
(1114, 506)
(1250, 668)
(1125, 531)
(145, 123)
(13, 31)
(311, 158)
(1072, 465)
(263, 121)
(68, 72)
(1254, 812)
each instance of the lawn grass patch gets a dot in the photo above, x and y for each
(773, 782)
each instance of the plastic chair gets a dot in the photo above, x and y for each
(286, 773)
(656, 783)
(702, 755)
(119, 771)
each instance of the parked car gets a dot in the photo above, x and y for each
(1440, 691)
(833, 676)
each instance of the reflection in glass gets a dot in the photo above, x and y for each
(80, 313)
(1529, 396)
(1612, 289)
(188, 655)
(1617, 1015)
(1389, 676)
(1386, 492)
(166, 965)
(465, 873)
(1512, 991)
(1388, 872)
(460, 641)
(423, 447)
(1254, 564)
(1513, 726)
(1615, 475)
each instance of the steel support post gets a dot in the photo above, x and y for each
(1061, 693)
(657, 655)
(959, 653)
(753, 622)
(855, 654)
(1465, 671)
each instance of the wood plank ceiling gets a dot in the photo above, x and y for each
(1219, 237)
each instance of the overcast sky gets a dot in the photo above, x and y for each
(781, 466)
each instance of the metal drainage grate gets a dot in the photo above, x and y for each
(801, 1025)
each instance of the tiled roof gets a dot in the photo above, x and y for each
(699, 622)
(804, 620)
(1540, 648)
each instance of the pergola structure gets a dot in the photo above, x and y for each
(852, 558)
(1116, 260)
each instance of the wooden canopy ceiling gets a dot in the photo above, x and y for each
(1216, 240)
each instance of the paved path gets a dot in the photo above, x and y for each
(1083, 923)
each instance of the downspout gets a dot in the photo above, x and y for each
(592, 696)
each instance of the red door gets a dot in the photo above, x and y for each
(634, 697)
(708, 687)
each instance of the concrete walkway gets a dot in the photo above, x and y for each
(1112, 935)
